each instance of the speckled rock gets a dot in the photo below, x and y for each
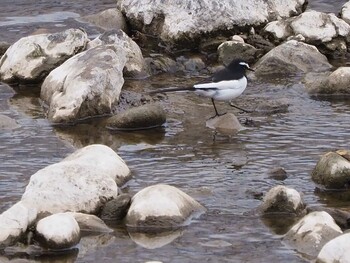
(116, 209)
(230, 50)
(31, 58)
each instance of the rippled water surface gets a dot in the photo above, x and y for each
(224, 173)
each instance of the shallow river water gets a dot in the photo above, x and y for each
(224, 173)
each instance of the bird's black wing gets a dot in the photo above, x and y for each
(226, 74)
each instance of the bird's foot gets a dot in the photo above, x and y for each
(217, 115)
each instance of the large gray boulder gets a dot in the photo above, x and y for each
(81, 182)
(86, 85)
(333, 170)
(135, 65)
(176, 21)
(161, 207)
(31, 58)
(329, 83)
(292, 57)
(313, 231)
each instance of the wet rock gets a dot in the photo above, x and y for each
(342, 218)
(116, 209)
(161, 207)
(31, 58)
(151, 240)
(86, 85)
(184, 21)
(193, 64)
(226, 124)
(269, 107)
(230, 50)
(81, 182)
(281, 199)
(7, 123)
(290, 58)
(335, 83)
(108, 19)
(336, 250)
(161, 63)
(313, 231)
(90, 223)
(3, 47)
(332, 171)
(135, 65)
(278, 173)
(14, 222)
(345, 12)
(143, 117)
(58, 231)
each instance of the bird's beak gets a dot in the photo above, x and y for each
(250, 69)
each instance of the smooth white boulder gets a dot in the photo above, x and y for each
(86, 85)
(345, 12)
(15, 221)
(79, 183)
(160, 207)
(336, 250)
(31, 58)
(313, 231)
(58, 231)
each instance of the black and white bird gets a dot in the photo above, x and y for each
(226, 84)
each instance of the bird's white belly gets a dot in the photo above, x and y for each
(223, 90)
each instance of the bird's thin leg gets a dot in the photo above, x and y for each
(216, 111)
(244, 110)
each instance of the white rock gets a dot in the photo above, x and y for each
(279, 29)
(345, 12)
(336, 250)
(161, 206)
(15, 221)
(281, 199)
(237, 38)
(86, 85)
(135, 66)
(317, 26)
(58, 231)
(32, 57)
(174, 20)
(313, 231)
(79, 183)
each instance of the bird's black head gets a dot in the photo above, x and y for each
(239, 65)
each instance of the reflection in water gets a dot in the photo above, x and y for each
(155, 240)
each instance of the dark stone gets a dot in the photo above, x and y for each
(143, 117)
(117, 208)
(278, 173)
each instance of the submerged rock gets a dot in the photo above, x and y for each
(108, 19)
(336, 250)
(335, 83)
(86, 85)
(32, 58)
(313, 231)
(161, 207)
(185, 21)
(332, 171)
(290, 58)
(90, 223)
(58, 231)
(143, 117)
(81, 182)
(7, 123)
(281, 199)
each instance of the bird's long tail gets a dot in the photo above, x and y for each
(172, 89)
